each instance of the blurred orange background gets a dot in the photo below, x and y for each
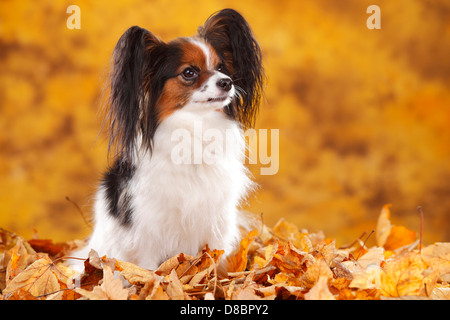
(363, 115)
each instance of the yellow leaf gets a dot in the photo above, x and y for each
(22, 255)
(261, 262)
(320, 291)
(40, 278)
(238, 261)
(289, 232)
(403, 276)
(133, 273)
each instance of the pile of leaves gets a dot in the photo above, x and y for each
(282, 262)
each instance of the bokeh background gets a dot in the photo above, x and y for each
(363, 115)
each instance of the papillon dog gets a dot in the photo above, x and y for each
(149, 207)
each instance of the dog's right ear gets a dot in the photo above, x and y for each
(132, 63)
(230, 34)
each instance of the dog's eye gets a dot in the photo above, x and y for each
(221, 68)
(189, 74)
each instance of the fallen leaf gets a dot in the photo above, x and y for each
(167, 266)
(384, 226)
(175, 287)
(403, 276)
(47, 246)
(238, 261)
(399, 236)
(373, 257)
(110, 289)
(437, 256)
(21, 256)
(288, 231)
(389, 236)
(133, 273)
(368, 278)
(441, 293)
(40, 278)
(319, 269)
(273, 268)
(320, 291)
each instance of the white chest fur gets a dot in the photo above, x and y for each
(180, 200)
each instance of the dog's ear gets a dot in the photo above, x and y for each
(230, 35)
(130, 75)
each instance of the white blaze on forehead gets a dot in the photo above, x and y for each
(207, 50)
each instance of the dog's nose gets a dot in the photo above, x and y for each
(225, 84)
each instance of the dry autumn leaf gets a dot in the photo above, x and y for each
(404, 276)
(383, 225)
(133, 273)
(40, 278)
(110, 289)
(175, 287)
(289, 232)
(389, 236)
(238, 261)
(320, 291)
(266, 266)
(437, 256)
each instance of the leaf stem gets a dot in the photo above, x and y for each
(421, 227)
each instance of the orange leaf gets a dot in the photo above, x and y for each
(288, 231)
(389, 236)
(238, 261)
(398, 237)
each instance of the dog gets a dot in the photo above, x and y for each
(161, 196)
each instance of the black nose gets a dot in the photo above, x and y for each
(225, 84)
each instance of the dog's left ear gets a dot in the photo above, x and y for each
(230, 35)
(134, 59)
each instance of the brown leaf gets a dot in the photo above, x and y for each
(47, 246)
(40, 278)
(110, 289)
